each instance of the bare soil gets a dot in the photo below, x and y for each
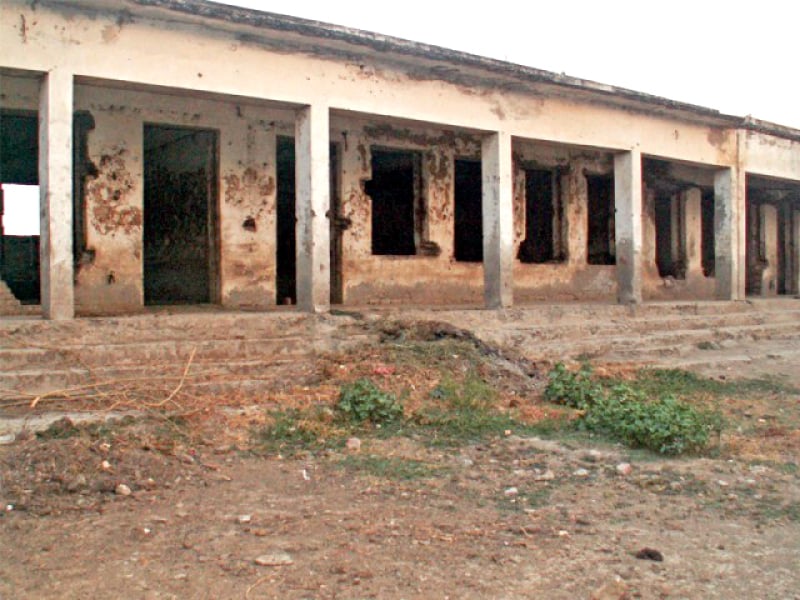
(214, 513)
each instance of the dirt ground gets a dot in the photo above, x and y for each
(187, 503)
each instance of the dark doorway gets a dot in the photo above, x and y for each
(338, 225)
(468, 216)
(600, 192)
(286, 250)
(20, 204)
(669, 259)
(541, 203)
(707, 228)
(180, 193)
(286, 285)
(394, 187)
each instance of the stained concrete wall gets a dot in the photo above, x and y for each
(219, 76)
(111, 280)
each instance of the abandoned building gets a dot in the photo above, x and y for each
(185, 152)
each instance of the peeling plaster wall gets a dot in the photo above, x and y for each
(109, 277)
(246, 195)
(423, 279)
(574, 278)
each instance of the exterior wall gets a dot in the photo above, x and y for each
(199, 57)
(109, 277)
(574, 278)
(131, 69)
(418, 279)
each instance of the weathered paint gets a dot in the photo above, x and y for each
(133, 67)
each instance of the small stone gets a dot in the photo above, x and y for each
(77, 483)
(274, 559)
(548, 475)
(353, 444)
(722, 483)
(467, 462)
(105, 465)
(511, 492)
(7, 438)
(122, 490)
(624, 469)
(581, 473)
(244, 519)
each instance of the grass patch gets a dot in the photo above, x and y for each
(291, 431)
(462, 412)
(389, 467)
(685, 384)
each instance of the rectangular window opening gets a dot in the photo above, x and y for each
(397, 211)
(600, 241)
(543, 218)
(468, 214)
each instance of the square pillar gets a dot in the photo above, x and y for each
(795, 252)
(729, 234)
(498, 220)
(55, 185)
(312, 173)
(693, 231)
(628, 225)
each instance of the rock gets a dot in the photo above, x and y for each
(77, 483)
(624, 469)
(353, 444)
(612, 590)
(274, 559)
(581, 473)
(650, 554)
(122, 490)
(511, 492)
(7, 438)
(548, 475)
(244, 519)
(105, 466)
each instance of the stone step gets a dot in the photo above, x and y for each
(151, 352)
(644, 343)
(31, 382)
(581, 329)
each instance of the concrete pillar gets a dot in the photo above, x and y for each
(649, 231)
(628, 225)
(312, 173)
(576, 213)
(768, 222)
(693, 228)
(729, 234)
(795, 245)
(498, 220)
(55, 184)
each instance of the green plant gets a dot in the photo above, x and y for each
(664, 425)
(639, 414)
(363, 401)
(575, 389)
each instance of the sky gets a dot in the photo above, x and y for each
(736, 56)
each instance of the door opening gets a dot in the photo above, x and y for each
(180, 215)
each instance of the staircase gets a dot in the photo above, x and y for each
(677, 334)
(205, 352)
(218, 352)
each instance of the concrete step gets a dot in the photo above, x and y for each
(655, 341)
(580, 329)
